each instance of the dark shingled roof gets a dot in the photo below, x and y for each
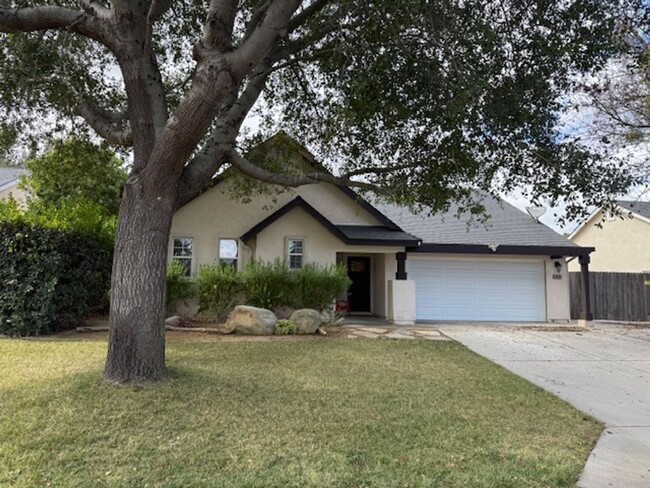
(7, 175)
(507, 226)
(378, 233)
(639, 208)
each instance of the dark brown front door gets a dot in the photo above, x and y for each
(359, 291)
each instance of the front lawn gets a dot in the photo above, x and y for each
(325, 413)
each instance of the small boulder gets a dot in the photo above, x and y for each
(250, 321)
(307, 320)
(174, 321)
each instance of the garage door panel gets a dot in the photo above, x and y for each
(467, 289)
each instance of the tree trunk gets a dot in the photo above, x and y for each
(136, 343)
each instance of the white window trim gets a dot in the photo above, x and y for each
(304, 249)
(239, 249)
(170, 252)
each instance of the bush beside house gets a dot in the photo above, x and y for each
(271, 286)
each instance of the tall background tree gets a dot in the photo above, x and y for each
(419, 101)
(75, 169)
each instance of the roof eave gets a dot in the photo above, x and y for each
(516, 250)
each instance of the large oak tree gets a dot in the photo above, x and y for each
(420, 100)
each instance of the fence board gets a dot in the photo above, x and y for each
(614, 296)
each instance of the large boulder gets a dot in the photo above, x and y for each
(250, 320)
(307, 320)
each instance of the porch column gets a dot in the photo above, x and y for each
(586, 316)
(401, 266)
(646, 282)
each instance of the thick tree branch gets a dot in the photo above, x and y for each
(261, 174)
(256, 18)
(97, 9)
(52, 17)
(94, 116)
(264, 37)
(301, 17)
(198, 173)
(217, 35)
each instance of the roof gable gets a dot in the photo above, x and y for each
(349, 234)
(639, 210)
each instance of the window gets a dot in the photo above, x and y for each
(182, 253)
(228, 252)
(295, 252)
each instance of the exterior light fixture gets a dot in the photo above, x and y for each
(558, 266)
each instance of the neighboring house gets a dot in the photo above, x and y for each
(622, 241)
(9, 179)
(404, 266)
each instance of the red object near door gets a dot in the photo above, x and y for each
(343, 306)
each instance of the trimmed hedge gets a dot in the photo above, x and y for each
(50, 278)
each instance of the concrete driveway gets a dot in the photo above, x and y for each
(604, 371)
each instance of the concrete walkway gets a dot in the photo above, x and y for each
(604, 371)
(376, 332)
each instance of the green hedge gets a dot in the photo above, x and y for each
(50, 278)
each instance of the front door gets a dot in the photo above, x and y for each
(359, 291)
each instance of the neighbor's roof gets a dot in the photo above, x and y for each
(8, 175)
(639, 208)
(507, 226)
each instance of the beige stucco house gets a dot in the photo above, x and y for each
(622, 241)
(404, 266)
(9, 179)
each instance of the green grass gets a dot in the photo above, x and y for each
(330, 413)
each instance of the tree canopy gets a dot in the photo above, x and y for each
(425, 98)
(419, 101)
(74, 170)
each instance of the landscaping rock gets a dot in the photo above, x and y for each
(174, 321)
(307, 319)
(250, 321)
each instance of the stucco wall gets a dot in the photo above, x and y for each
(558, 305)
(401, 302)
(215, 215)
(622, 245)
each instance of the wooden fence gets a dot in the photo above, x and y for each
(614, 296)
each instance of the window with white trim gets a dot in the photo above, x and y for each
(182, 253)
(228, 252)
(295, 253)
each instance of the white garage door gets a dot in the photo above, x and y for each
(467, 289)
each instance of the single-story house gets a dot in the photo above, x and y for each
(9, 179)
(405, 266)
(622, 240)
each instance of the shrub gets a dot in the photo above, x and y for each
(217, 288)
(285, 327)
(268, 285)
(317, 287)
(50, 278)
(178, 286)
(76, 216)
(274, 285)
